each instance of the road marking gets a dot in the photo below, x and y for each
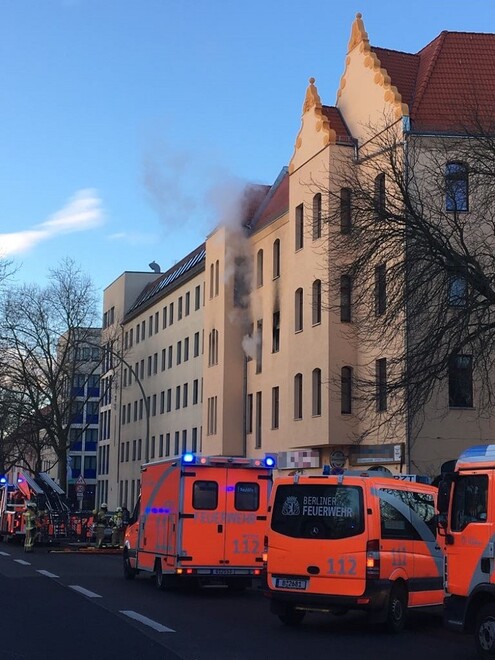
(85, 592)
(5, 554)
(24, 563)
(146, 621)
(47, 573)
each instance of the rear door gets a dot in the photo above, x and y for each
(317, 539)
(246, 503)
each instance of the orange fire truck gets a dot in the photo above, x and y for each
(466, 505)
(200, 519)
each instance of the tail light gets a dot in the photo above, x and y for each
(265, 549)
(373, 559)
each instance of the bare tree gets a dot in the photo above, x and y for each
(45, 334)
(411, 225)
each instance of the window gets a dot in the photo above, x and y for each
(150, 365)
(299, 227)
(456, 187)
(317, 216)
(176, 442)
(213, 348)
(276, 332)
(162, 402)
(316, 398)
(217, 277)
(187, 310)
(249, 413)
(150, 326)
(469, 503)
(164, 358)
(194, 439)
(184, 441)
(259, 346)
(195, 391)
(276, 258)
(380, 289)
(259, 419)
(298, 396)
(169, 399)
(212, 415)
(461, 381)
(275, 407)
(197, 297)
(164, 318)
(379, 197)
(167, 444)
(346, 390)
(345, 299)
(177, 397)
(246, 496)
(316, 302)
(381, 384)
(196, 344)
(160, 446)
(185, 395)
(205, 495)
(186, 349)
(157, 322)
(259, 268)
(171, 313)
(179, 308)
(179, 352)
(457, 290)
(298, 309)
(170, 357)
(212, 280)
(345, 211)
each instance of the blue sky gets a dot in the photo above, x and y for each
(126, 124)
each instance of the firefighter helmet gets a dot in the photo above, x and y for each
(104, 505)
(118, 509)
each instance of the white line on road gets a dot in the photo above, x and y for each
(24, 563)
(146, 621)
(5, 554)
(47, 573)
(85, 592)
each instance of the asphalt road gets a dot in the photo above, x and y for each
(58, 606)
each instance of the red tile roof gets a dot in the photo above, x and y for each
(276, 202)
(449, 84)
(337, 122)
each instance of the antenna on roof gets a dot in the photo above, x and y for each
(154, 267)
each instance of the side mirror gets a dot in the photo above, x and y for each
(443, 498)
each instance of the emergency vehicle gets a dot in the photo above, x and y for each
(353, 541)
(51, 503)
(466, 504)
(200, 519)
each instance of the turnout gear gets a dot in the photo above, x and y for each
(117, 523)
(29, 515)
(101, 523)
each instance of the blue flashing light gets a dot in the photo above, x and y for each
(3, 480)
(270, 461)
(188, 458)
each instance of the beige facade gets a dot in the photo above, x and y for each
(279, 347)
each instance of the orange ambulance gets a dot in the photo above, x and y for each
(354, 541)
(200, 519)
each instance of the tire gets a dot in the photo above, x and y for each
(129, 571)
(163, 582)
(291, 617)
(397, 609)
(484, 631)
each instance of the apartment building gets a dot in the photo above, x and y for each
(153, 340)
(280, 317)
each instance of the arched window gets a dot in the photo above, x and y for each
(345, 298)
(379, 197)
(276, 258)
(346, 390)
(217, 277)
(456, 187)
(213, 348)
(345, 211)
(316, 302)
(298, 309)
(316, 392)
(317, 216)
(212, 280)
(298, 396)
(259, 268)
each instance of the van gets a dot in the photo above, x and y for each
(354, 541)
(201, 520)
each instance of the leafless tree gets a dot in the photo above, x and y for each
(411, 240)
(44, 336)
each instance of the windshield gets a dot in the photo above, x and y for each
(323, 512)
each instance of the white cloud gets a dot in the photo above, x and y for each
(82, 212)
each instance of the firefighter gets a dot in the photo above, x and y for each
(101, 523)
(117, 523)
(30, 516)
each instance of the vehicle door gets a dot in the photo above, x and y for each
(317, 539)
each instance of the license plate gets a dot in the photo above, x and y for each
(223, 571)
(288, 583)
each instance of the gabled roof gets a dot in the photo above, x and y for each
(275, 203)
(449, 84)
(337, 122)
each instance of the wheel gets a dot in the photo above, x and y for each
(129, 571)
(397, 609)
(291, 617)
(484, 632)
(163, 582)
